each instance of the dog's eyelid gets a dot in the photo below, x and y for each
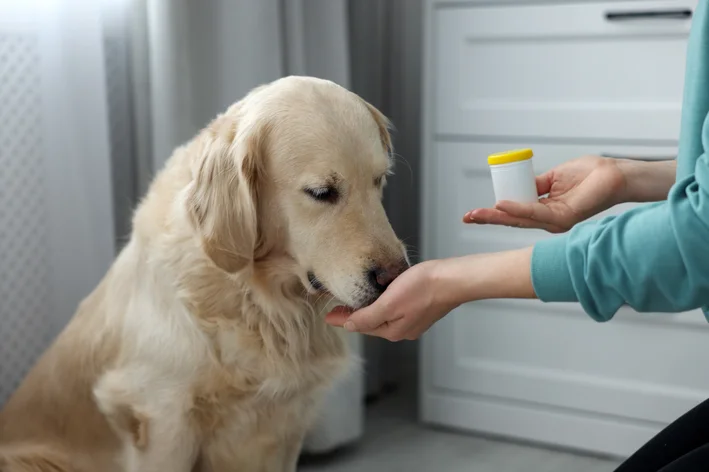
(314, 182)
(319, 187)
(328, 193)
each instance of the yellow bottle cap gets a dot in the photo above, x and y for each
(509, 157)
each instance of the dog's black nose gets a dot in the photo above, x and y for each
(381, 276)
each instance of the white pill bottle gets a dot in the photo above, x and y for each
(513, 176)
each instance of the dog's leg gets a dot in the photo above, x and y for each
(34, 458)
(154, 425)
(254, 454)
(171, 446)
(291, 453)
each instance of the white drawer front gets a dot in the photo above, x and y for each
(555, 356)
(560, 70)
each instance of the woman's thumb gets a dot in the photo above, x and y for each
(544, 183)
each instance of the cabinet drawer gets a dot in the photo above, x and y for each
(561, 70)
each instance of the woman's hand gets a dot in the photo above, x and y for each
(580, 189)
(430, 290)
(407, 308)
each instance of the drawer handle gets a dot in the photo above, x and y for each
(639, 158)
(678, 14)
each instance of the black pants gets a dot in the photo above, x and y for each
(683, 446)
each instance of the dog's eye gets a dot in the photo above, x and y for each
(323, 194)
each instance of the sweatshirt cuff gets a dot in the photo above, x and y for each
(551, 277)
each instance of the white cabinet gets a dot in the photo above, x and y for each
(559, 70)
(564, 80)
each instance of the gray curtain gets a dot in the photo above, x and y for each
(385, 49)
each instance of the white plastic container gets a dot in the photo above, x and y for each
(513, 176)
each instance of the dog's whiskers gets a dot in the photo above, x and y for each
(325, 305)
(399, 157)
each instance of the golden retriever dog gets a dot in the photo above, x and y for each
(204, 347)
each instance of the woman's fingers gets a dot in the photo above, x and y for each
(337, 317)
(495, 216)
(531, 211)
(484, 216)
(369, 318)
(371, 321)
(545, 215)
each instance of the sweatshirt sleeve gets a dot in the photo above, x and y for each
(654, 258)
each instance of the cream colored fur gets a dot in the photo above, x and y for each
(204, 347)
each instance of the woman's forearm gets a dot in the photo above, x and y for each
(647, 181)
(484, 276)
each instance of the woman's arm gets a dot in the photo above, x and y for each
(647, 181)
(483, 276)
(653, 258)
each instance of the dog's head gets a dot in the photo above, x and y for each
(297, 169)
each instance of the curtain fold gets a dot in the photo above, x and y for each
(56, 225)
(385, 47)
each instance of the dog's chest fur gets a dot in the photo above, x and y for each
(266, 351)
(260, 370)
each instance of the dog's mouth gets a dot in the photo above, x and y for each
(319, 287)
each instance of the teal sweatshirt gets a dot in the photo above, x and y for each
(654, 258)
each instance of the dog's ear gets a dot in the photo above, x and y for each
(384, 126)
(222, 201)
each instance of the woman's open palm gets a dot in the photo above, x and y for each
(575, 191)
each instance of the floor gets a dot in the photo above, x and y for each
(394, 442)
